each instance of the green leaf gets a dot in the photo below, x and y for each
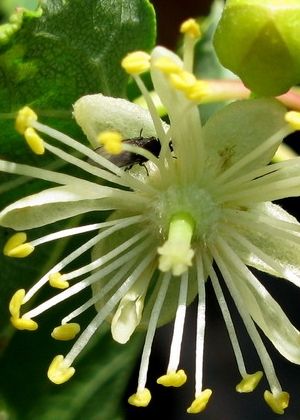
(72, 48)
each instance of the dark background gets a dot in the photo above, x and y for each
(220, 370)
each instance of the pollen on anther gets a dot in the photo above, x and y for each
(17, 247)
(191, 28)
(112, 142)
(136, 62)
(24, 119)
(34, 141)
(200, 402)
(175, 379)
(141, 398)
(57, 281)
(66, 332)
(58, 372)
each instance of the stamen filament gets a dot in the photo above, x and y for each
(106, 310)
(178, 325)
(200, 327)
(99, 295)
(152, 109)
(228, 321)
(107, 257)
(85, 166)
(76, 288)
(151, 331)
(233, 286)
(117, 224)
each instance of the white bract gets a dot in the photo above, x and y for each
(204, 202)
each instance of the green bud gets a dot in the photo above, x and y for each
(260, 42)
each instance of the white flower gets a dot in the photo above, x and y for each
(206, 198)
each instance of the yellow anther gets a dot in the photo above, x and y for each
(66, 332)
(175, 379)
(191, 28)
(112, 142)
(58, 372)
(167, 65)
(249, 382)
(16, 303)
(183, 81)
(136, 62)
(26, 116)
(17, 247)
(199, 91)
(293, 118)
(24, 324)
(278, 402)
(199, 404)
(34, 141)
(57, 281)
(141, 398)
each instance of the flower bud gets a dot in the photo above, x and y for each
(260, 42)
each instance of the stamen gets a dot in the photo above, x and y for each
(136, 62)
(24, 324)
(192, 34)
(112, 142)
(228, 321)
(59, 372)
(277, 401)
(233, 286)
(176, 254)
(34, 141)
(173, 378)
(293, 118)
(17, 247)
(191, 28)
(16, 302)
(249, 382)
(140, 398)
(121, 274)
(150, 335)
(117, 224)
(200, 327)
(199, 404)
(66, 332)
(76, 288)
(105, 258)
(25, 117)
(199, 92)
(183, 81)
(167, 65)
(107, 309)
(158, 125)
(91, 154)
(57, 280)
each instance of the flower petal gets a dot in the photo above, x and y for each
(55, 204)
(269, 316)
(237, 129)
(284, 252)
(183, 114)
(96, 113)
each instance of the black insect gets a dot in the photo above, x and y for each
(128, 159)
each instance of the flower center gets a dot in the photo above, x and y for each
(191, 200)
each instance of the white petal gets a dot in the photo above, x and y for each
(269, 316)
(96, 113)
(237, 129)
(127, 317)
(284, 252)
(54, 204)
